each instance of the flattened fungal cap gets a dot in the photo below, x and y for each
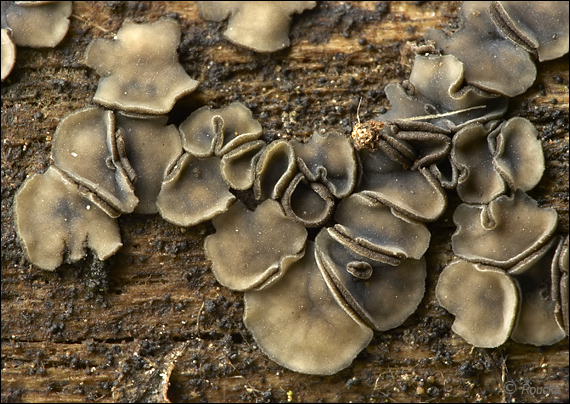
(517, 153)
(492, 62)
(381, 295)
(416, 193)
(536, 323)
(250, 249)
(503, 232)
(194, 191)
(87, 148)
(152, 149)
(262, 26)
(208, 131)
(8, 54)
(479, 181)
(373, 225)
(53, 220)
(329, 159)
(319, 336)
(484, 301)
(538, 26)
(44, 23)
(139, 70)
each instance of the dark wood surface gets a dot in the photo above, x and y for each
(152, 323)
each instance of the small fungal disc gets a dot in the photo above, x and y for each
(8, 54)
(249, 249)
(194, 192)
(152, 149)
(484, 301)
(52, 217)
(38, 25)
(298, 323)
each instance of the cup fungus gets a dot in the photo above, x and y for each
(536, 323)
(8, 54)
(54, 220)
(152, 148)
(262, 26)
(312, 306)
(298, 323)
(88, 149)
(130, 64)
(37, 23)
(483, 299)
(250, 249)
(491, 234)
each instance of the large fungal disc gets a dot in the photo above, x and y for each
(491, 234)
(298, 323)
(538, 26)
(536, 323)
(251, 249)
(86, 147)
(484, 301)
(381, 295)
(517, 153)
(8, 54)
(52, 218)
(140, 69)
(194, 191)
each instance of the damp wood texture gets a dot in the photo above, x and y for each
(152, 323)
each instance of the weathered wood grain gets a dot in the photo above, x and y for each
(151, 323)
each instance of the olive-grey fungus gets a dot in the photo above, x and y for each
(386, 298)
(298, 323)
(238, 165)
(194, 191)
(38, 24)
(208, 131)
(262, 26)
(88, 149)
(54, 220)
(517, 153)
(436, 91)
(276, 168)
(8, 54)
(537, 26)
(251, 249)
(152, 148)
(376, 226)
(129, 68)
(492, 62)
(309, 203)
(536, 323)
(330, 159)
(483, 299)
(416, 193)
(479, 181)
(491, 234)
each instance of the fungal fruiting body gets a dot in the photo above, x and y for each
(314, 298)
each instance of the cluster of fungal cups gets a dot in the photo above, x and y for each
(312, 302)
